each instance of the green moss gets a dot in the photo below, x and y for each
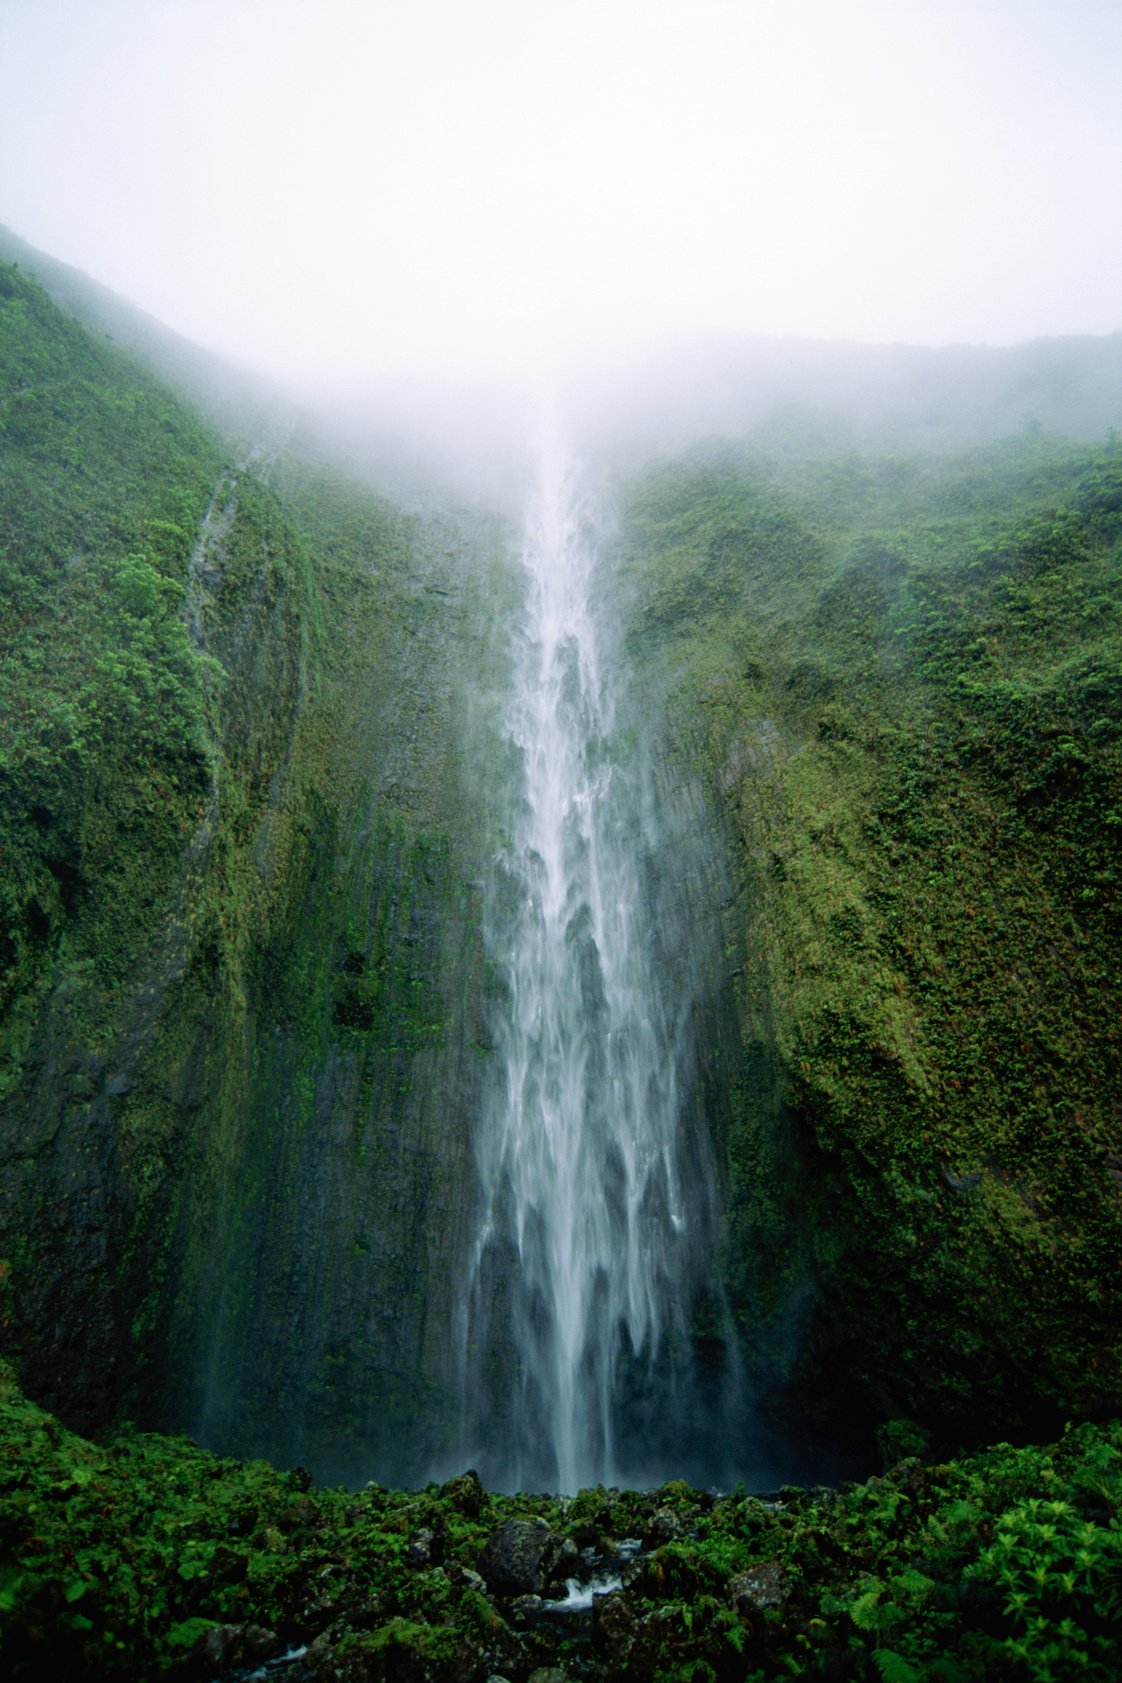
(903, 693)
(209, 676)
(238, 836)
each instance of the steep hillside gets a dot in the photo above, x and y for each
(903, 676)
(243, 406)
(237, 948)
(249, 723)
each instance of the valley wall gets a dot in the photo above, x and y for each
(250, 719)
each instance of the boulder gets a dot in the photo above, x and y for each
(516, 1558)
(226, 1647)
(566, 1563)
(663, 1526)
(614, 1626)
(421, 1549)
(758, 1588)
(525, 1608)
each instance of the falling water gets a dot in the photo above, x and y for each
(584, 1272)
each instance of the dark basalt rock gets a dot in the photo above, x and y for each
(614, 1627)
(664, 1526)
(467, 1579)
(225, 1647)
(526, 1608)
(302, 1515)
(516, 1557)
(422, 1548)
(567, 1563)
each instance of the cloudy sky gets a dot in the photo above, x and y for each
(337, 187)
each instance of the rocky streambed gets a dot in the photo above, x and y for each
(552, 1596)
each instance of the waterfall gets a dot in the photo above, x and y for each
(592, 1224)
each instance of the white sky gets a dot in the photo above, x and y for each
(335, 188)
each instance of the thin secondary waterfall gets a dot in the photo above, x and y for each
(584, 1265)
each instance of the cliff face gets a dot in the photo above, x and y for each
(902, 676)
(326, 1250)
(248, 728)
(241, 970)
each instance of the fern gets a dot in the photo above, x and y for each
(864, 1611)
(894, 1668)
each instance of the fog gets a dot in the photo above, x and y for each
(345, 193)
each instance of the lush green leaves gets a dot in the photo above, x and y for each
(120, 1557)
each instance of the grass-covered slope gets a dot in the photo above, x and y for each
(904, 675)
(147, 1557)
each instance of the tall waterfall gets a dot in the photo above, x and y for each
(593, 1224)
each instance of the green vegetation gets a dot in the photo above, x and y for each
(146, 1556)
(902, 676)
(103, 757)
(232, 831)
(242, 1036)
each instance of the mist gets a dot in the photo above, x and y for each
(350, 196)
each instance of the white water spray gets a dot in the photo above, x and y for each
(583, 1248)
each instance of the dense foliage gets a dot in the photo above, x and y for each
(904, 675)
(148, 1557)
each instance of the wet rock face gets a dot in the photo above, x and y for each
(236, 1095)
(343, 1228)
(516, 1558)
